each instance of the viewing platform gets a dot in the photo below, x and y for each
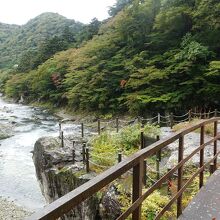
(206, 204)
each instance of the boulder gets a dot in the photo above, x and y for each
(5, 131)
(58, 174)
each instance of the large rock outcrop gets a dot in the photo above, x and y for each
(58, 175)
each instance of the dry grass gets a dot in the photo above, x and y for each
(209, 129)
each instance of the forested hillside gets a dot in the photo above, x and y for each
(151, 55)
(16, 41)
(6, 30)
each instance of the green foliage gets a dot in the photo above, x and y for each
(18, 40)
(119, 5)
(88, 31)
(152, 55)
(4, 77)
(212, 80)
(150, 207)
(106, 146)
(153, 204)
(207, 23)
(193, 51)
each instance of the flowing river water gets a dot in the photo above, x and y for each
(18, 182)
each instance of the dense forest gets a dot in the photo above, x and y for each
(150, 55)
(16, 41)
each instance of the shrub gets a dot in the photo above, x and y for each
(106, 146)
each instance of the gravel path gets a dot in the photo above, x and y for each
(191, 142)
(10, 211)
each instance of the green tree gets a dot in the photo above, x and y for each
(119, 5)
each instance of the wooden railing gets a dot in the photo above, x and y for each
(136, 162)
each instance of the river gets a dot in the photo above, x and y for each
(18, 182)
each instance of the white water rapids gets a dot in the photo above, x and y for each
(17, 173)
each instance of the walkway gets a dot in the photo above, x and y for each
(206, 204)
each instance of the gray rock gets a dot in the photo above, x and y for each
(9, 210)
(58, 175)
(5, 131)
(110, 208)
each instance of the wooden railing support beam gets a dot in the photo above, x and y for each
(215, 144)
(201, 162)
(137, 188)
(180, 175)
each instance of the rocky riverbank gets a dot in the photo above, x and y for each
(59, 171)
(58, 174)
(9, 210)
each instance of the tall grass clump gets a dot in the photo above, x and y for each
(108, 144)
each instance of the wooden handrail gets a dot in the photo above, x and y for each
(66, 203)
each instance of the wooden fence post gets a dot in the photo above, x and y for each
(211, 168)
(137, 188)
(60, 129)
(117, 124)
(144, 162)
(145, 173)
(215, 144)
(169, 181)
(99, 127)
(142, 140)
(84, 152)
(62, 141)
(159, 152)
(142, 122)
(119, 157)
(74, 155)
(158, 119)
(87, 160)
(158, 168)
(216, 113)
(190, 115)
(200, 117)
(208, 114)
(180, 175)
(171, 120)
(82, 130)
(201, 163)
(158, 160)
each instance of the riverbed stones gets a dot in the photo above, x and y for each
(9, 210)
(5, 131)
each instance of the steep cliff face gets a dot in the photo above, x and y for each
(58, 175)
